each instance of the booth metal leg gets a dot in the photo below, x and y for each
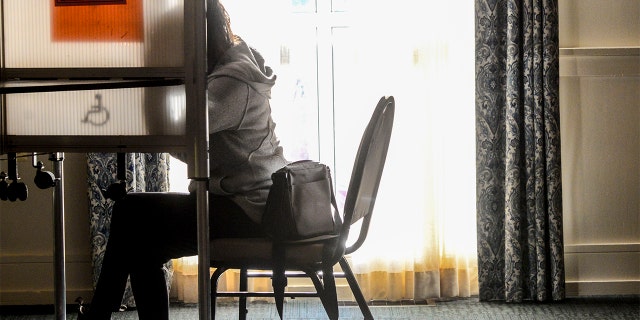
(59, 278)
(204, 280)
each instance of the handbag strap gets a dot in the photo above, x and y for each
(336, 215)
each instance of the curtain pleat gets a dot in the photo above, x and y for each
(146, 172)
(519, 201)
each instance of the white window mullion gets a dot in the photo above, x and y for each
(326, 20)
(325, 96)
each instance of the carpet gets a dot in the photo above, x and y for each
(604, 308)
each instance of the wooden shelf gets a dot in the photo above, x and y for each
(601, 51)
(602, 62)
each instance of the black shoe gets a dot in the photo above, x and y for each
(83, 310)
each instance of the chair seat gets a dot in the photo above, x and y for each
(257, 253)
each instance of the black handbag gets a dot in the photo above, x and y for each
(301, 204)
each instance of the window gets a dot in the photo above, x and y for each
(334, 60)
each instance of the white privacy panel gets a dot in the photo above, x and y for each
(132, 111)
(140, 33)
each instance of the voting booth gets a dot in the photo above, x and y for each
(105, 76)
(83, 74)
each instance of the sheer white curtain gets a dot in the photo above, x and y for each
(334, 61)
(422, 240)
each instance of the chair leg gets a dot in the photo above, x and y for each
(244, 287)
(317, 283)
(355, 289)
(214, 290)
(326, 289)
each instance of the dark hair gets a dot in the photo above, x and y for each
(219, 35)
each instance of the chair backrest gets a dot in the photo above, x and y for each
(367, 171)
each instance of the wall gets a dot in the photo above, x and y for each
(26, 237)
(600, 124)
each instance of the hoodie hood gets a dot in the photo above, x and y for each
(247, 65)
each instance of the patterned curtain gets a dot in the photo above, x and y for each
(519, 198)
(145, 172)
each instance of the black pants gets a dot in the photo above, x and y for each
(149, 229)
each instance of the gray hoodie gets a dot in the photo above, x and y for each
(244, 149)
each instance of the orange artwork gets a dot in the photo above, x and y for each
(97, 20)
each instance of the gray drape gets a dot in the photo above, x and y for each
(145, 172)
(519, 191)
